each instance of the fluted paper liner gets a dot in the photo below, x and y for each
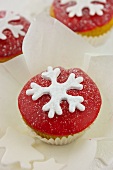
(98, 40)
(58, 141)
(49, 42)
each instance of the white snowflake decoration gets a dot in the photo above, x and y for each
(57, 91)
(15, 29)
(94, 8)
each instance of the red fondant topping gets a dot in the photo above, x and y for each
(67, 123)
(12, 46)
(86, 22)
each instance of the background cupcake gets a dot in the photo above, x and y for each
(88, 18)
(13, 28)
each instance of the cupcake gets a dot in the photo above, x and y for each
(91, 18)
(59, 104)
(13, 28)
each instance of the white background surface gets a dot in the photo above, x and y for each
(79, 159)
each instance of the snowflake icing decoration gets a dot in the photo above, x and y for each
(94, 8)
(57, 91)
(15, 29)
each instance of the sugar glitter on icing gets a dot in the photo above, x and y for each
(94, 8)
(57, 91)
(15, 29)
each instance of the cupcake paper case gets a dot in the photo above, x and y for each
(39, 64)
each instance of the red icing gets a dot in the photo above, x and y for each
(86, 22)
(67, 123)
(12, 46)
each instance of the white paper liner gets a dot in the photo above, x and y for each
(57, 141)
(62, 141)
(98, 40)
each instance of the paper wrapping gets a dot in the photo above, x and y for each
(49, 42)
